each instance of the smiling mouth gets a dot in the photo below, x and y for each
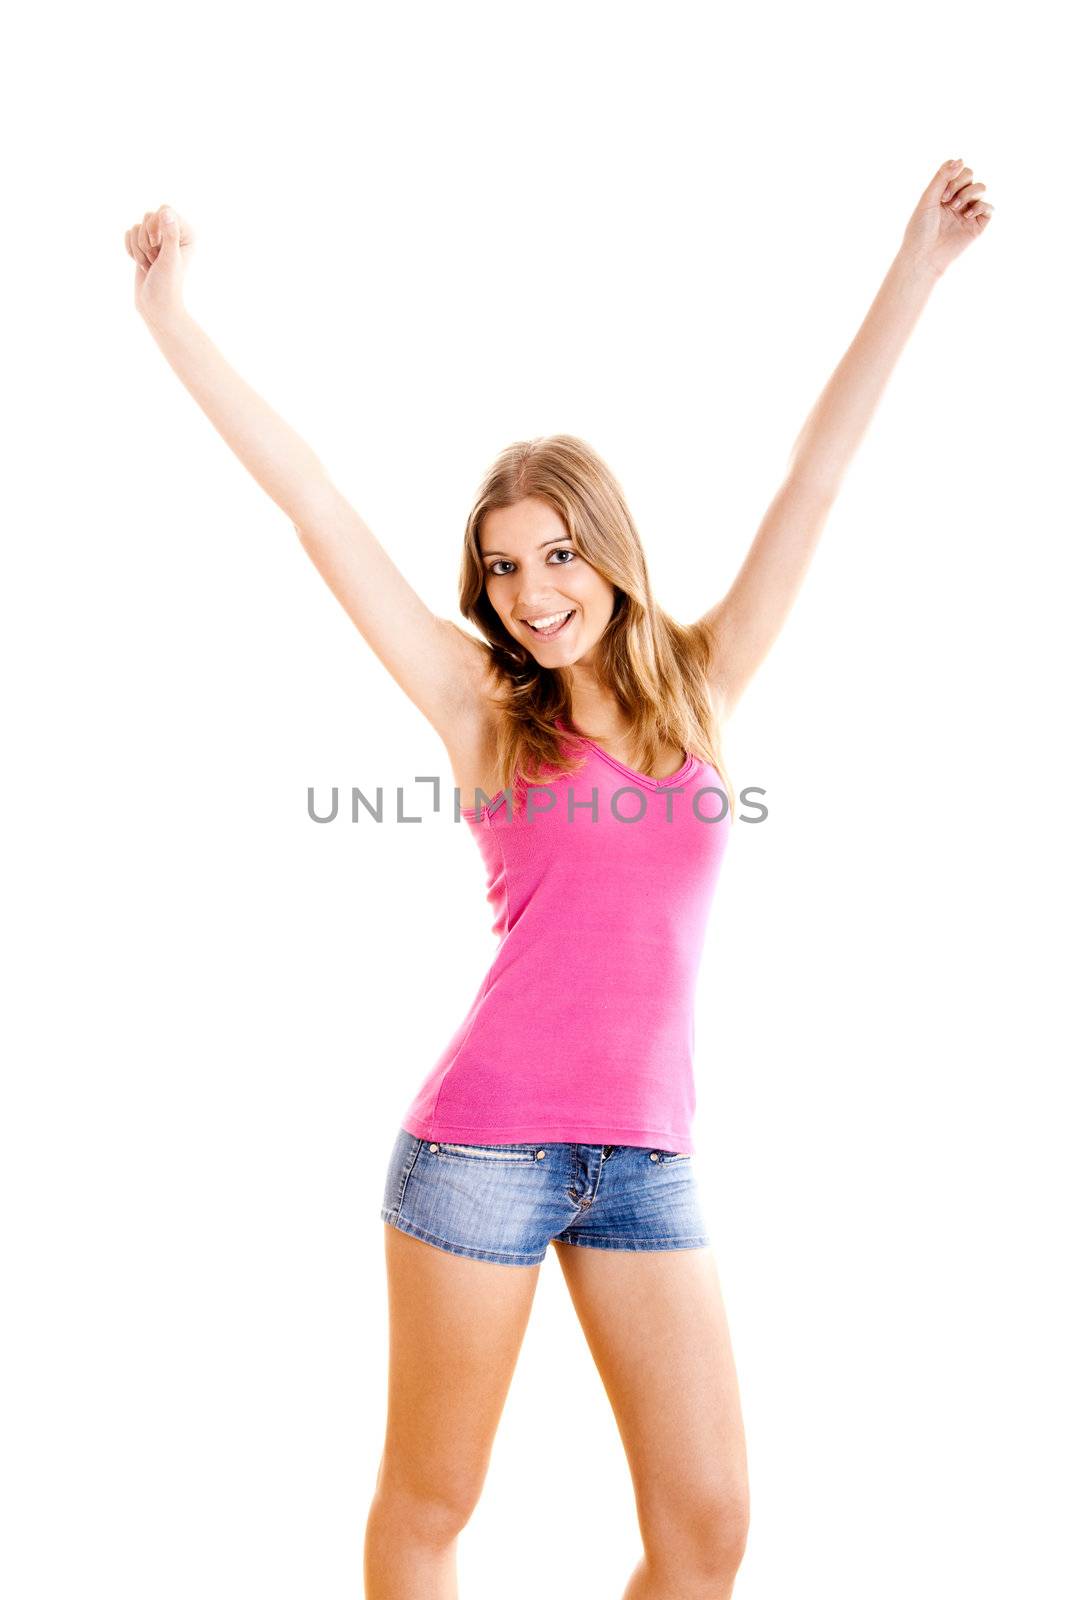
(549, 633)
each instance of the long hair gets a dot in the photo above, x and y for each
(655, 667)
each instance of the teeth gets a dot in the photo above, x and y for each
(548, 622)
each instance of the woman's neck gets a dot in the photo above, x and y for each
(600, 719)
(595, 710)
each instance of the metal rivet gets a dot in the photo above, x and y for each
(433, 1147)
(653, 1156)
(540, 1155)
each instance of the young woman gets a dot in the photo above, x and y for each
(584, 733)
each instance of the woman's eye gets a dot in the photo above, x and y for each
(492, 568)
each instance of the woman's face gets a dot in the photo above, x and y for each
(533, 573)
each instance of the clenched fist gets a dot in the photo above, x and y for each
(161, 246)
(952, 213)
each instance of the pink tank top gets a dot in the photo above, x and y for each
(600, 883)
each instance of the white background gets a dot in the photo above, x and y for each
(425, 233)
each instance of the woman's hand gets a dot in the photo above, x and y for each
(950, 215)
(161, 246)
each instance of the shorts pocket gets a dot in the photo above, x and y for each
(487, 1152)
(664, 1157)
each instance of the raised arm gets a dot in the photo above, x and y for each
(745, 623)
(438, 666)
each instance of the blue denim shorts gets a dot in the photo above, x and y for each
(507, 1202)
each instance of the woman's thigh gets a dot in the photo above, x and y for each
(455, 1329)
(656, 1327)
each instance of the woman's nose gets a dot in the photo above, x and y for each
(531, 599)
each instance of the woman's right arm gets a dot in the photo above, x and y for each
(443, 670)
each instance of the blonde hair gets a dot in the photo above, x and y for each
(656, 667)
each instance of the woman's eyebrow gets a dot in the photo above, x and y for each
(564, 539)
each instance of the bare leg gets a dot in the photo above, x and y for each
(656, 1326)
(455, 1329)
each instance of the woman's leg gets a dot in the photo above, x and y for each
(455, 1329)
(656, 1326)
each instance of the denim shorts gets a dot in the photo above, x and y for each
(507, 1202)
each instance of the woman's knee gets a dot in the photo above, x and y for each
(432, 1513)
(704, 1531)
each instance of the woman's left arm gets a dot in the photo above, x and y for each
(745, 623)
